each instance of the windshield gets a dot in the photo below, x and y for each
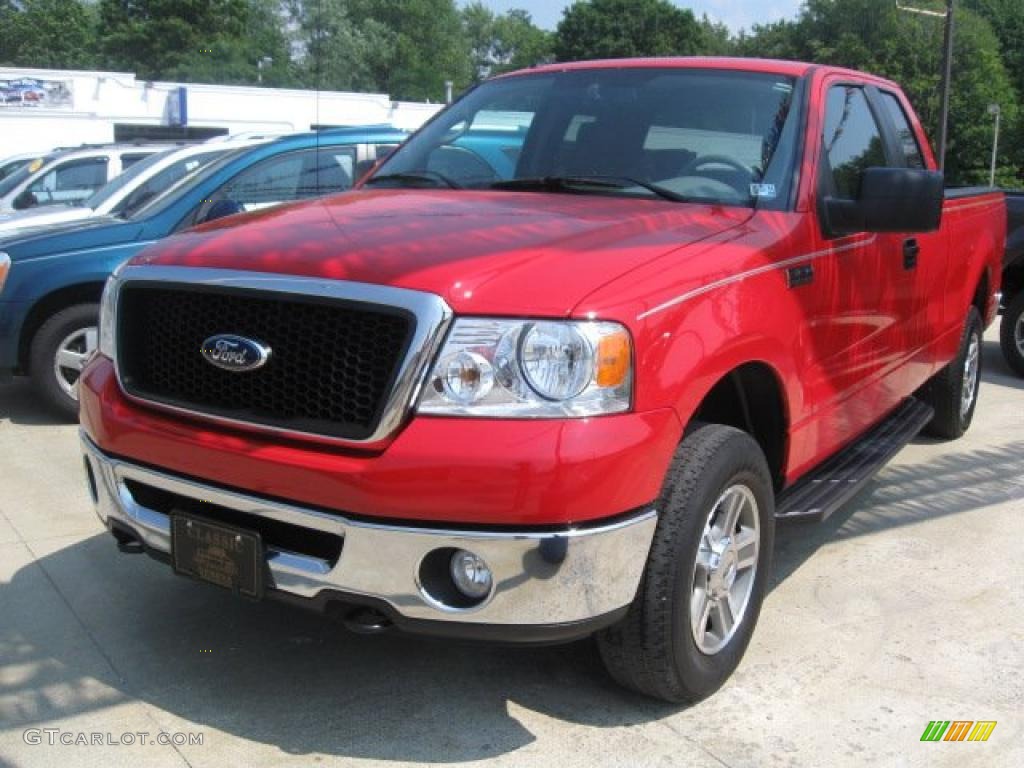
(681, 134)
(31, 167)
(10, 166)
(151, 205)
(106, 192)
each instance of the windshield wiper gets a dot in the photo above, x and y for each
(424, 175)
(575, 183)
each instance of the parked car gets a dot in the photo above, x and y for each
(1011, 331)
(143, 181)
(55, 274)
(567, 400)
(9, 165)
(68, 175)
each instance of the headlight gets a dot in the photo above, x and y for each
(5, 267)
(108, 318)
(531, 369)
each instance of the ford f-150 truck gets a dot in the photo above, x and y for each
(565, 394)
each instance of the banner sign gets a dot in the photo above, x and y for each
(32, 92)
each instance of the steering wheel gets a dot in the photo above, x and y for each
(700, 160)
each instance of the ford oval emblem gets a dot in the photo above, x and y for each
(235, 353)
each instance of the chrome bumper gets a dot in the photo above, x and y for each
(541, 578)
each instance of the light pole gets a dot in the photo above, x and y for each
(263, 61)
(947, 68)
(996, 112)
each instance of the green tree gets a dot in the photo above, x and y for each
(592, 29)
(340, 54)
(154, 38)
(1007, 20)
(427, 46)
(51, 34)
(715, 38)
(234, 54)
(502, 43)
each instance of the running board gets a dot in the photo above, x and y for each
(817, 495)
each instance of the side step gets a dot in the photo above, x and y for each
(817, 495)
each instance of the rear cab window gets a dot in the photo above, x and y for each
(904, 131)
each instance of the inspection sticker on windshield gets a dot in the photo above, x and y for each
(762, 190)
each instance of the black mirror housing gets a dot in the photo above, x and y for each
(25, 200)
(891, 200)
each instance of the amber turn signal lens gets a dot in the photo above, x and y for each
(613, 359)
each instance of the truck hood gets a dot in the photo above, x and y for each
(504, 253)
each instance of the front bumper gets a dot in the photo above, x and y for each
(562, 582)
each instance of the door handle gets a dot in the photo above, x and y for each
(911, 250)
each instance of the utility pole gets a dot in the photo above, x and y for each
(995, 111)
(947, 77)
(947, 69)
(263, 61)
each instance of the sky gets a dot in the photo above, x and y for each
(736, 14)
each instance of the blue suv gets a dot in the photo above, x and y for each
(51, 278)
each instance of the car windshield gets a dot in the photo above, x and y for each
(7, 167)
(137, 169)
(150, 206)
(701, 135)
(30, 167)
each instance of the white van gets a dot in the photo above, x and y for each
(68, 175)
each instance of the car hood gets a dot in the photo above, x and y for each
(484, 252)
(15, 223)
(32, 242)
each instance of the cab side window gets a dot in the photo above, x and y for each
(281, 179)
(851, 141)
(70, 182)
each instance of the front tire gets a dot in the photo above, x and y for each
(1011, 334)
(953, 391)
(706, 575)
(59, 350)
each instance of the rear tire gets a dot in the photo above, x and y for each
(60, 347)
(674, 643)
(953, 391)
(1011, 334)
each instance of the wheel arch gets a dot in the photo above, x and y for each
(88, 292)
(751, 397)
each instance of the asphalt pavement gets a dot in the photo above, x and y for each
(905, 607)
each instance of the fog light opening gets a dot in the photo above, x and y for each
(455, 579)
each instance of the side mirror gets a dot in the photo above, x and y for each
(25, 200)
(220, 209)
(891, 200)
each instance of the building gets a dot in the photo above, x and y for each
(41, 109)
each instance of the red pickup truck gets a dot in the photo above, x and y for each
(558, 366)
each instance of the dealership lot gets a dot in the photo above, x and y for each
(906, 606)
